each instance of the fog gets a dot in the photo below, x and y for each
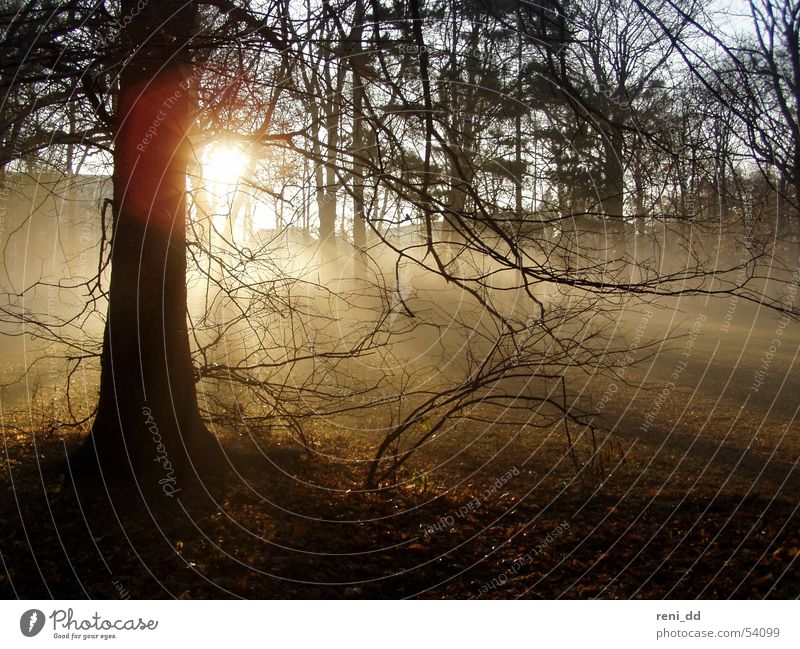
(368, 344)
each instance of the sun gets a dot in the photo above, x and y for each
(224, 164)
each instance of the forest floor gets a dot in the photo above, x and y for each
(701, 502)
(664, 515)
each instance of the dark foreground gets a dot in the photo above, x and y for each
(665, 517)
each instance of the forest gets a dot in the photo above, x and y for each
(433, 299)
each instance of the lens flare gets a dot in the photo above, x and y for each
(224, 164)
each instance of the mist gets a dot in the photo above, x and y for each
(416, 299)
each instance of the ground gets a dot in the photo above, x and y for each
(656, 522)
(701, 502)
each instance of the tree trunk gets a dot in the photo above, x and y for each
(326, 205)
(148, 425)
(325, 180)
(359, 208)
(614, 190)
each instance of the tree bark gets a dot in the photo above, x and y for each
(359, 207)
(613, 198)
(148, 425)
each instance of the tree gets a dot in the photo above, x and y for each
(772, 111)
(755, 76)
(437, 113)
(147, 405)
(611, 65)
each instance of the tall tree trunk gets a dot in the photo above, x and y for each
(518, 125)
(782, 225)
(326, 206)
(613, 197)
(359, 209)
(147, 423)
(325, 181)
